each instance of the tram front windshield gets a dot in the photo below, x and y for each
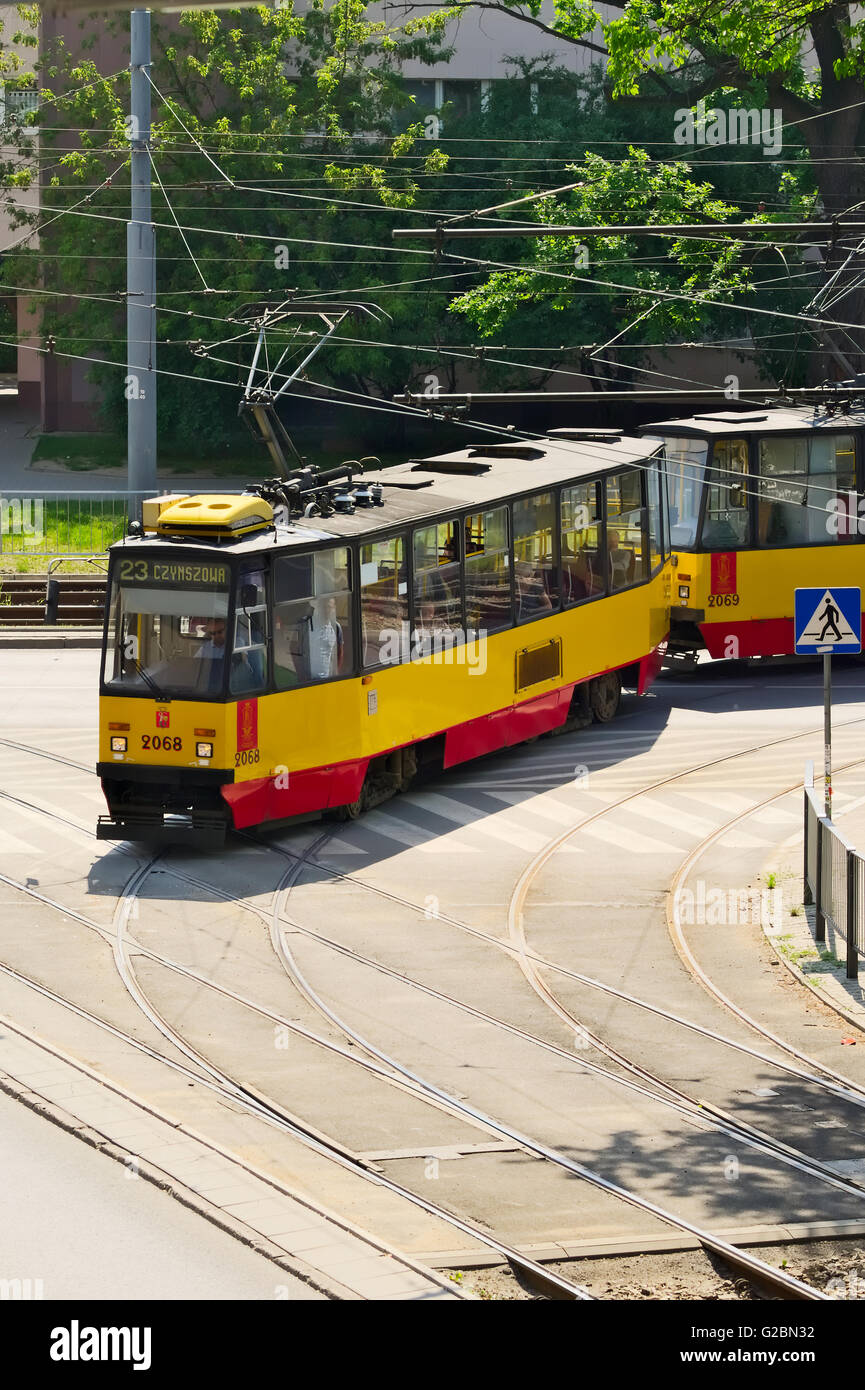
(165, 639)
(685, 466)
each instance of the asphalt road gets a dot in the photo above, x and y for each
(79, 1225)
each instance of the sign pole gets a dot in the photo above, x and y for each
(826, 621)
(827, 730)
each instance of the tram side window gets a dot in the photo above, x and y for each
(684, 467)
(582, 543)
(727, 521)
(656, 518)
(312, 624)
(249, 648)
(384, 602)
(536, 568)
(626, 541)
(804, 481)
(438, 605)
(488, 571)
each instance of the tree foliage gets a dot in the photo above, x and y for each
(303, 113)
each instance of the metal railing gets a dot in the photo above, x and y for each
(834, 873)
(64, 525)
(71, 525)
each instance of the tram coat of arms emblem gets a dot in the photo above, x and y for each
(724, 573)
(247, 725)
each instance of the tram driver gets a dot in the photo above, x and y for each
(212, 651)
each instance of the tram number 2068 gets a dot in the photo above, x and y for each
(245, 759)
(158, 742)
(723, 600)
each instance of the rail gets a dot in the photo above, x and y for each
(834, 874)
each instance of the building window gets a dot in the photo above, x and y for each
(18, 101)
(464, 98)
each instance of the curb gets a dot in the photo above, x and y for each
(30, 639)
(769, 934)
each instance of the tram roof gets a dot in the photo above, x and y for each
(771, 420)
(479, 475)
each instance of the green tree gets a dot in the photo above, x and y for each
(285, 105)
(807, 59)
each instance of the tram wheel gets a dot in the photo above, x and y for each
(605, 693)
(352, 811)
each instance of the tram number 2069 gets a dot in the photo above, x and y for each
(723, 600)
(158, 742)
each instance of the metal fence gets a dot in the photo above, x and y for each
(64, 525)
(71, 525)
(834, 872)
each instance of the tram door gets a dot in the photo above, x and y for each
(727, 515)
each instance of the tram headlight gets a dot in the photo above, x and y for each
(118, 745)
(684, 591)
(204, 750)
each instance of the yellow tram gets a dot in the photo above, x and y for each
(309, 645)
(762, 502)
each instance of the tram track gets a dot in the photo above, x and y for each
(760, 1273)
(228, 1088)
(663, 1092)
(148, 868)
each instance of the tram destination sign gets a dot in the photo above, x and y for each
(828, 621)
(189, 574)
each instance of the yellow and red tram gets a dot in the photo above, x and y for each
(308, 645)
(761, 502)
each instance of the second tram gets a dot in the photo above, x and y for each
(762, 502)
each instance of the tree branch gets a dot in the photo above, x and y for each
(516, 14)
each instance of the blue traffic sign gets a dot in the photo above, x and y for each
(828, 621)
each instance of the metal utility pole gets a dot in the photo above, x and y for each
(140, 273)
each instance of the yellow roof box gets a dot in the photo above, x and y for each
(215, 515)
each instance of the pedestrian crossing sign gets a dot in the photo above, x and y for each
(828, 621)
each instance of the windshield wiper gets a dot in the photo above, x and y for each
(148, 679)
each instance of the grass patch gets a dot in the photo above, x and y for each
(809, 960)
(67, 526)
(81, 453)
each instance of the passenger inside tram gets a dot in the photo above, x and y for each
(532, 597)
